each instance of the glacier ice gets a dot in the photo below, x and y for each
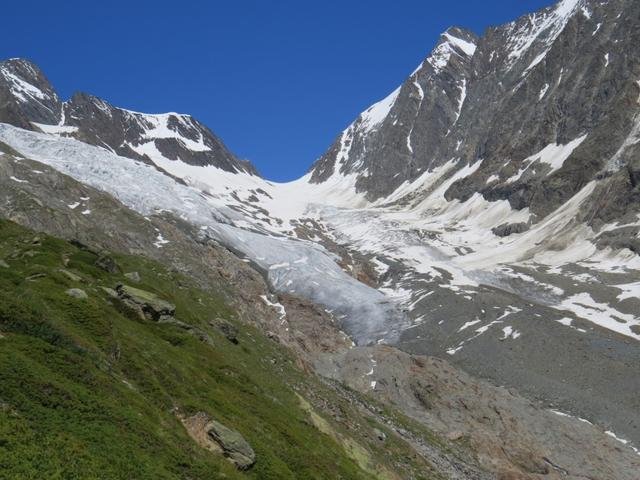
(291, 266)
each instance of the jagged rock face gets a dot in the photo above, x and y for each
(27, 100)
(544, 104)
(398, 138)
(139, 135)
(26, 95)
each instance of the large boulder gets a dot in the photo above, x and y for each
(233, 445)
(507, 229)
(215, 437)
(147, 304)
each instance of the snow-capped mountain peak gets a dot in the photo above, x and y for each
(27, 94)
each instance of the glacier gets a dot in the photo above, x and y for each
(291, 266)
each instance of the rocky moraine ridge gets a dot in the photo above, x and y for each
(465, 254)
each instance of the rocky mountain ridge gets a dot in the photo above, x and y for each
(544, 104)
(29, 101)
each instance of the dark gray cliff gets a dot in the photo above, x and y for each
(26, 95)
(399, 137)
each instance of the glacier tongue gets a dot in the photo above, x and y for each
(291, 266)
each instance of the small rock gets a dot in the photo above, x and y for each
(233, 445)
(110, 291)
(380, 434)
(455, 435)
(133, 276)
(229, 331)
(4, 264)
(35, 276)
(77, 293)
(108, 264)
(71, 276)
(273, 336)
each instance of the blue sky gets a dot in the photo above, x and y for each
(276, 80)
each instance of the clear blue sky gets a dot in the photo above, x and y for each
(276, 80)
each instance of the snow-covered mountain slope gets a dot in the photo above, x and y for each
(389, 139)
(30, 102)
(565, 74)
(422, 223)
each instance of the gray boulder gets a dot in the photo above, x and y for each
(108, 264)
(147, 304)
(233, 445)
(77, 293)
(507, 229)
(133, 276)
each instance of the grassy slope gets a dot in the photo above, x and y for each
(88, 390)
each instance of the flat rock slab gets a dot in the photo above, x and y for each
(70, 275)
(149, 304)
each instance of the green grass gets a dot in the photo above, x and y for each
(89, 390)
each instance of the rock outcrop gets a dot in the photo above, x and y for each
(216, 437)
(229, 331)
(145, 304)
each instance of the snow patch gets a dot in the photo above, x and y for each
(585, 307)
(160, 241)
(553, 155)
(378, 112)
(544, 91)
(282, 313)
(55, 129)
(469, 48)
